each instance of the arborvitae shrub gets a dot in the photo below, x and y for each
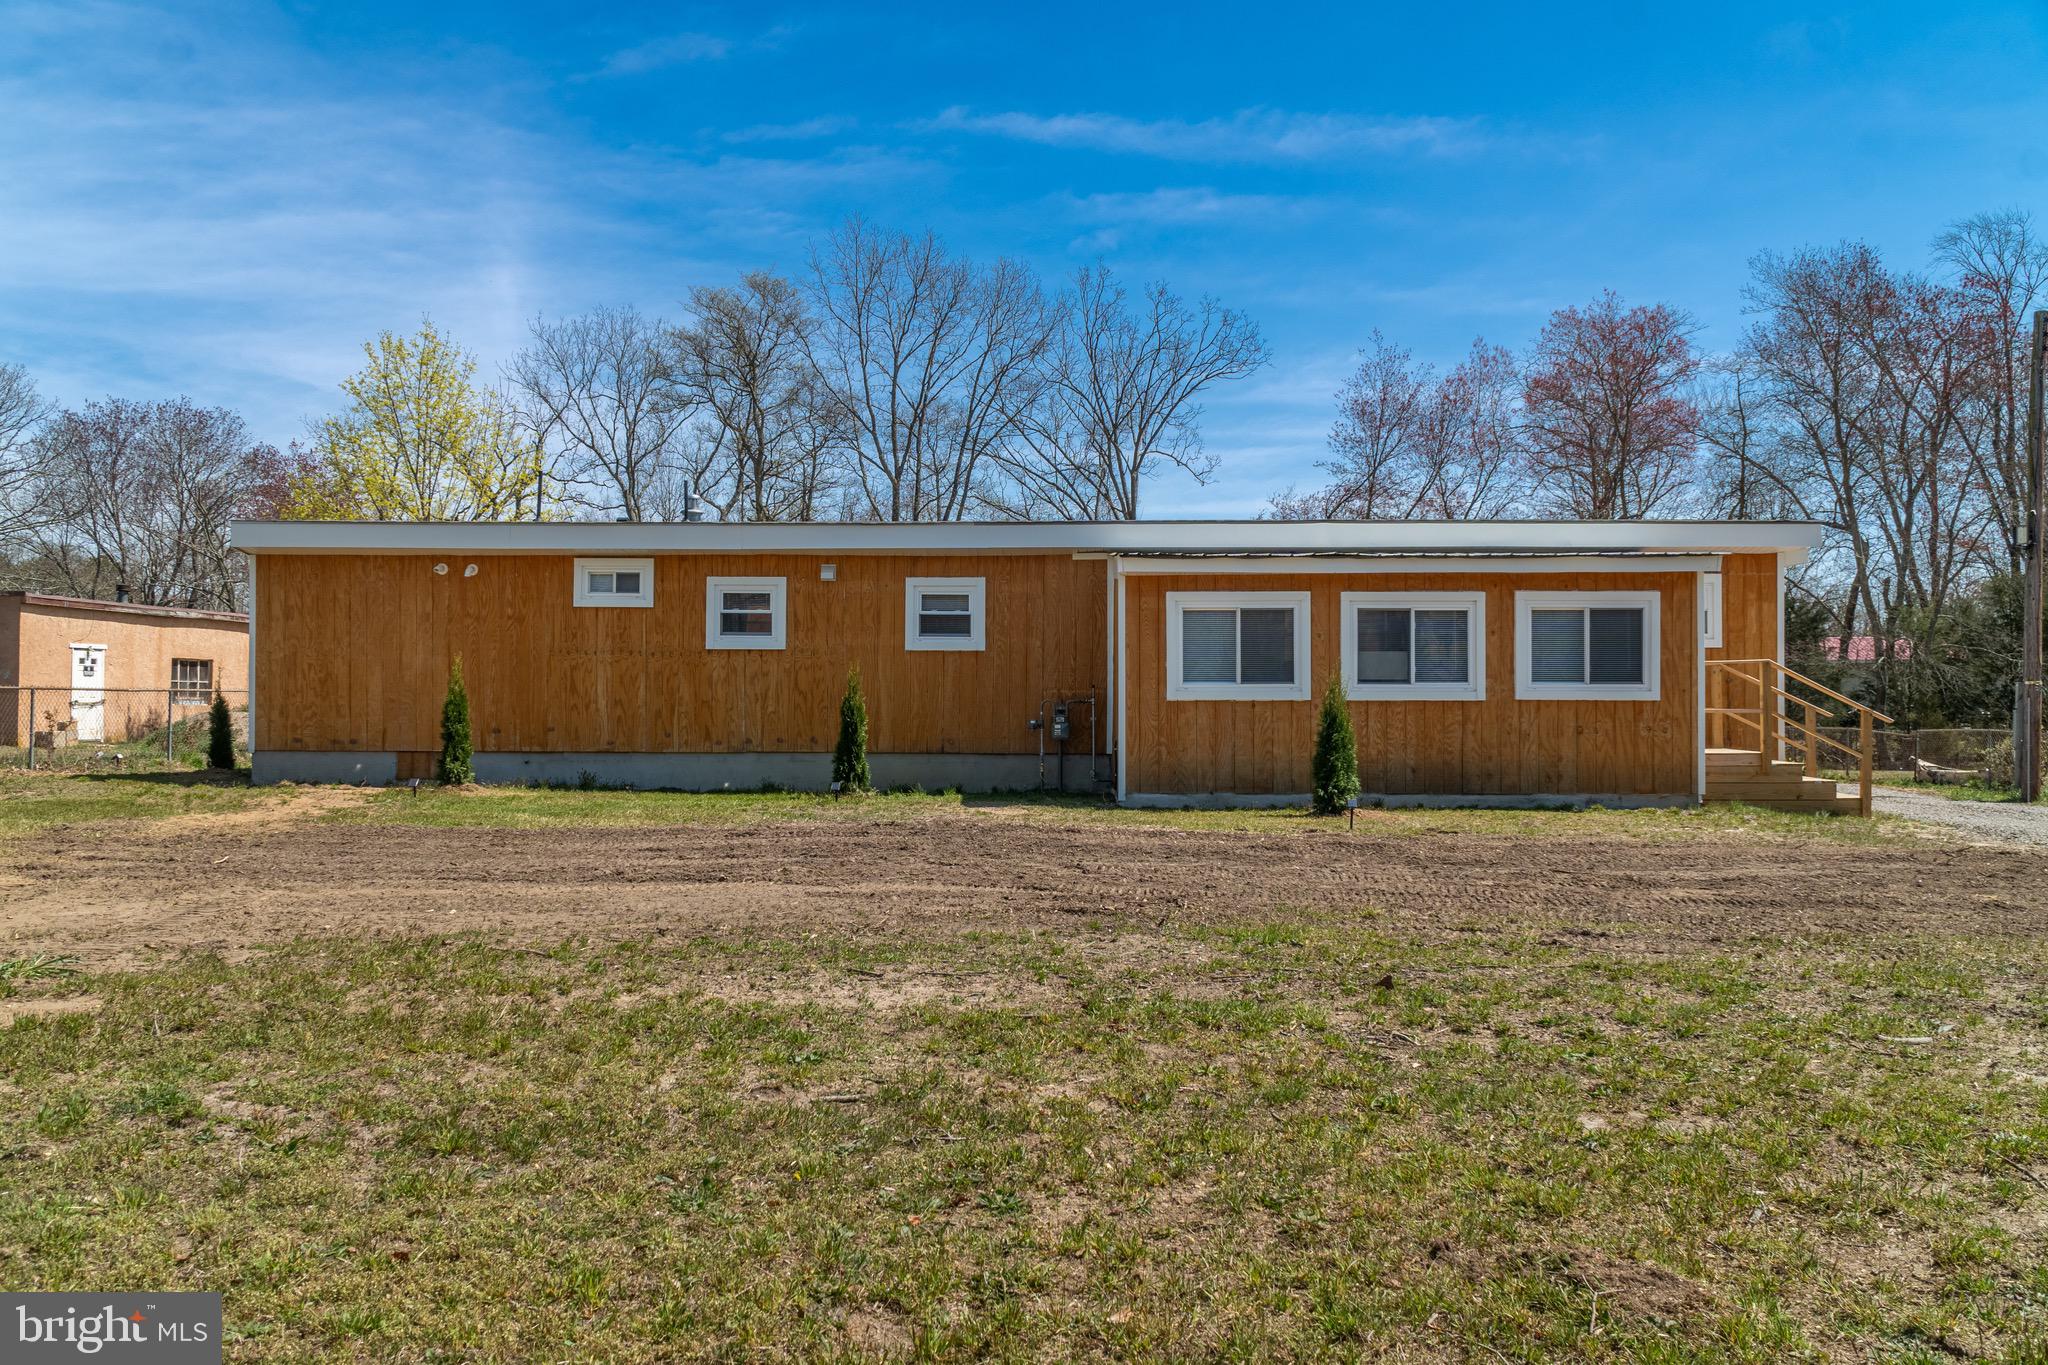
(455, 765)
(1333, 777)
(220, 735)
(850, 755)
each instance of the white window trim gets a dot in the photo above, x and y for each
(778, 605)
(1527, 689)
(977, 599)
(585, 598)
(1304, 670)
(1710, 610)
(1474, 606)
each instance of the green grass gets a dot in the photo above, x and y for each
(1265, 1140)
(35, 800)
(32, 801)
(548, 808)
(1959, 791)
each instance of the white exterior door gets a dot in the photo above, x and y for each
(88, 691)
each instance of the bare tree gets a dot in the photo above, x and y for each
(1607, 422)
(900, 344)
(142, 495)
(22, 412)
(599, 391)
(2001, 273)
(1121, 401)
(744, 358)
(1410, 444)
(1876, 399)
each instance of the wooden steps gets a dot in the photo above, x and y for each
(1734, 775)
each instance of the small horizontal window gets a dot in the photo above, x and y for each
(191, 681)
(1421, 646)
(614, 583)
(944, 613)
(745, 613)
(1589, 645)
(1250, 646)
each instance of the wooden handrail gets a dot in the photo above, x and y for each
(1801, 678)
(1806, 733)
(1743, 714)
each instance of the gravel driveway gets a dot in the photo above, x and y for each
(2006, 821)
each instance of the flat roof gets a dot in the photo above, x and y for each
(45, 599)
(1081, 537)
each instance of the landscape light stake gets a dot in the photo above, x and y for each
(2027, 740)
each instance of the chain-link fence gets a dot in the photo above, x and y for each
(1986, 751)
(113, 729)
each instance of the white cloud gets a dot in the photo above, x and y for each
(802, 131)
(1174, 207)
(1250, 135)
(673, 49)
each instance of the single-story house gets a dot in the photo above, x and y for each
(1509, 661)
(111, 670)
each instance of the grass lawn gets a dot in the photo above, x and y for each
(541, 808)
(1236, 1134)
(1273, 1140)
(1954, 791)
(33, 800)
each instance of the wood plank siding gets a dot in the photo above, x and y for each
(1749, 630)
(1496, 747)
(352, 654)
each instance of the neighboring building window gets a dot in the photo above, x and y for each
(745, 613)
(1237, 646)
(191, 681)
(1589, 645)
(944, 613)
(614, 583)
(1710, 610)
(1415, 646)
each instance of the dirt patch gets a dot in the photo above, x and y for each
(11, 1010)
(1636, 1288)
(117, 896)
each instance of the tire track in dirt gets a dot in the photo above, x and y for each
(115, 893)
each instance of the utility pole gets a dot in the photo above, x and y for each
(2027, 753)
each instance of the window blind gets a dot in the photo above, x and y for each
(1267, 635)
(1557, 645)
(1208, 646)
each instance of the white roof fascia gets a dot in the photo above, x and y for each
(1124, 537)
(1495, 563)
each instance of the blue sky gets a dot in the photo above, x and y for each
(225, 201)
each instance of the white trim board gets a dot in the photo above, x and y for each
(1424, 564)
(1113, 537)
(1179, 602)
(777, 590)
(1527, 688)
(975, 590)
(581, 596)
(1473, 604)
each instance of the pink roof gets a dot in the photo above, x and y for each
(1864, 649)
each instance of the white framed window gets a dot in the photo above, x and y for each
(614, 583)
(191, 681)
(1414, 646)
(1710, 610)
(1237, 646)
(945, 613)
(746, 613)
(1586, 645)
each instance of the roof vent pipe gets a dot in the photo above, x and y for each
(120, 592)
(693, 508)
